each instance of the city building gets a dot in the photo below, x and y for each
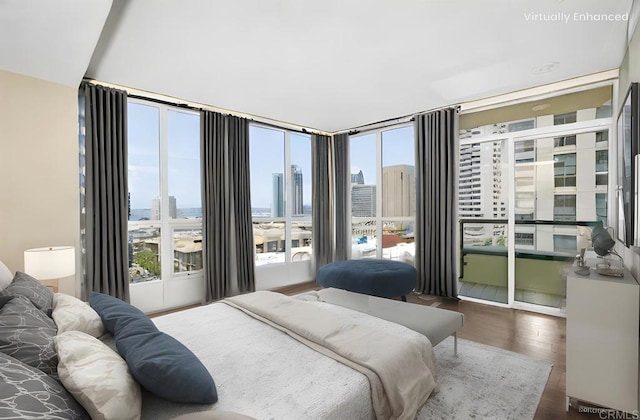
(357, 178)
(278, 204)
(398, 191)
(297, 207)
(363, 200)
(156, 206)
(277, 201)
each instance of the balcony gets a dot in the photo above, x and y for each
(545, 251)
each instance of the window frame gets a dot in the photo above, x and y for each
(167, 225)
(289, 219)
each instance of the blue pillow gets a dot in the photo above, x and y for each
(120, 318)
(167, 368)
(159, 362)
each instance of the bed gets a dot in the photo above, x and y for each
(260, 368)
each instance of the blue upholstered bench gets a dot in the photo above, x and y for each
(375, 277)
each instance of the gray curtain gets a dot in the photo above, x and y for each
(241, 199)
(322, 206)
(342, 185)
(226, 209)
(106, 203)
(436, 193)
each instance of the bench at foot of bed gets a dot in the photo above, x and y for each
(435, 323)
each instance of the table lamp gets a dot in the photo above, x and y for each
(50, 263)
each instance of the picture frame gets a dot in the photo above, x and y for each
(627, 150)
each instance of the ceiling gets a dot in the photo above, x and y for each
(327, 65)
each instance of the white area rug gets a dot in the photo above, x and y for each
(485, 382)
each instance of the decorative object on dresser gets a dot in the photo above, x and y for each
(603, 246)
(50, 264)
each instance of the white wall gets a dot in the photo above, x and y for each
(38, 169)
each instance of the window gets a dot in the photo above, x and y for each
(565, 243)
(524, 239)
(564, 141)
(564, 208)
(569, 117)
(165, 211)
(280, 194)
(601, 208)
(602, 136)
(564, 167)
(383, 194)
(602, 167)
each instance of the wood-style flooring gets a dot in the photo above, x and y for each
(532, 334)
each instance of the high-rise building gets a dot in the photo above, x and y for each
(398, 191)
(556, 178)
(298, 190)
(297, 196)
(357, 178)
(277, 201)
(156, 206)
(363, 200)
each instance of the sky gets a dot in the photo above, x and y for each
(266, 153)
(183, 149)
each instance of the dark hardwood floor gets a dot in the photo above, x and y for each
(532, 334)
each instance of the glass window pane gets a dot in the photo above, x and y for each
(363, 161)
(144, 254)
(269, 193)
(301, 199)
(266, 155)
(187, 250)
(144, 162)
(269, 239)
(398, 173)
(363, 238)
(183, 148)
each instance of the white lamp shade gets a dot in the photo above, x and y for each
(48, 263)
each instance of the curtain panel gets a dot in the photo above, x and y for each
(342, 205)
(106, 192)
(322, 206)
(436, 193)
(228, 249)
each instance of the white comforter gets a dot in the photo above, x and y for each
(261, 372)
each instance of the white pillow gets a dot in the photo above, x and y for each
(72, 314)
(5, 276)
(97, 377)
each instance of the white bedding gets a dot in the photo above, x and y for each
(261, 372)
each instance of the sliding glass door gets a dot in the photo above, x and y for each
(483, 195)
(530, 192)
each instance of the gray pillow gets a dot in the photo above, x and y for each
(4, 299)
(26, 392)
(28, 335)
(40, 295)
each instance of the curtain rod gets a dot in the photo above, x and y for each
(179, 103)
(393, 121)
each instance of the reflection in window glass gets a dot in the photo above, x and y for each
(183, 148)
(144, 162)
